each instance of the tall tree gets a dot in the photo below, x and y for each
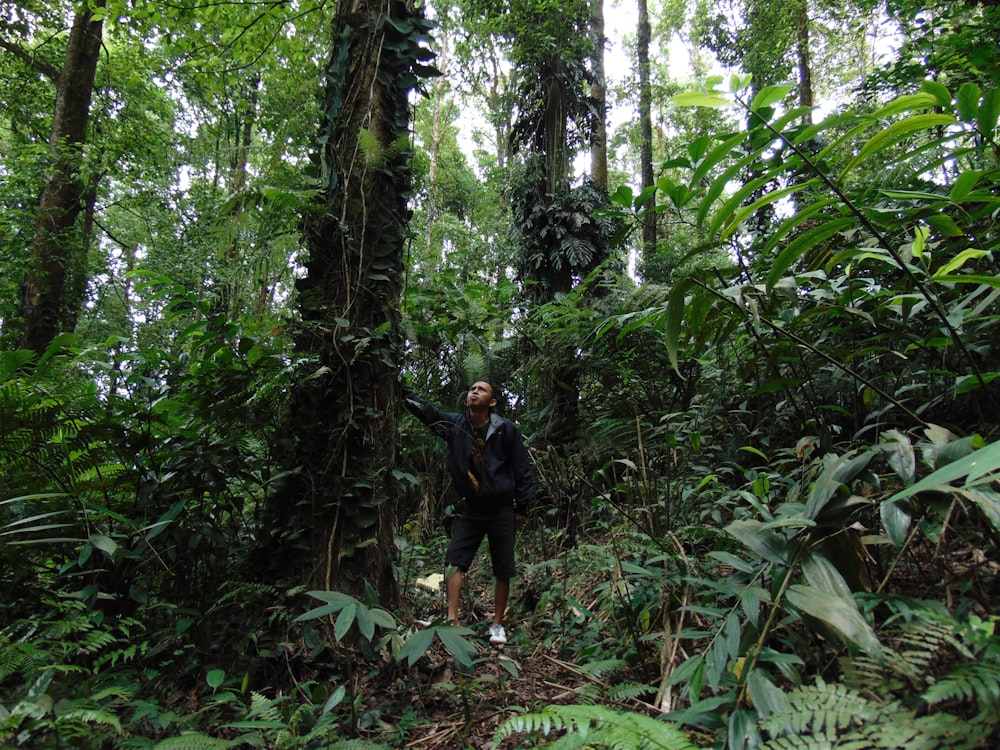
(599, 93)
(559, 239)
(57, 253)
(331, 524)
(646, 128)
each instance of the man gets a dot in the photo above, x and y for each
(491, 470)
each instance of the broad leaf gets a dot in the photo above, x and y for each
(458, 645)
(972, 467)
(700, 99)
(770, 95)
(842, 618)
(767, 544)
(896, 132)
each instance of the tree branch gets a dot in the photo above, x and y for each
(27, 57)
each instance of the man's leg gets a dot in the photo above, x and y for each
(501, 533)
(454, 587)
(500, 593)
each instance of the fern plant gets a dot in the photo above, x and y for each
(825, 715)
(596, 727)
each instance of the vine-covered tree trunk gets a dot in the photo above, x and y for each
(331, 526)
(55, 250)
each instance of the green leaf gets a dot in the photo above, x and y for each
(767, 544)
(737, 217)
(905, 103)
(972, 467)
(968, 101)
(767, 697)
(700, 99)
(989, 111)
(383, 619)
(195, 741)
(344, 621)
(458, 645)
(770, 95)
(803, 243)
(821, 574)
(715, 156)
(958, 261)
(674, 319)
(896, 132)
(845, 621)
(939, 91)
(416, 645)
(944, 225)
(215, 677)
(964, 184)
(104, 543)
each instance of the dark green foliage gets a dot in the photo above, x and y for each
(780, 526)
(563, 237)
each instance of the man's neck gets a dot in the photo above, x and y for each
(479, 417)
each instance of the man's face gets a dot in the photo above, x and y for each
(480, 394)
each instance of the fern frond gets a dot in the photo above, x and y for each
(600, 726)
(978, 680)
(194, 741)
(626, 691)
(834, 716)
(601, 667)
(262, 707)
(800, 743)
(92, 716)
(911, 649)
(820, 709)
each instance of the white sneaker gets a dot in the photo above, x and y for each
(498, 636)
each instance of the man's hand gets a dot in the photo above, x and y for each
(520, 520)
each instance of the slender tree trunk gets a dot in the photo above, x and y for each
(239, 162)
(804, 58)
(55, 250)
(599, 139)
(437, 101)
(646, 128)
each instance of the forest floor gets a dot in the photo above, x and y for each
(435, 704)
(442, 707)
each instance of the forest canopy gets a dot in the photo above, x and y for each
(730, 268)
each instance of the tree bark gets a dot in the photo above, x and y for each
(332, 525)
(599, 139)
(55, 250)
(646, 128)
(804, 58)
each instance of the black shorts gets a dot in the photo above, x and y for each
(497, 525)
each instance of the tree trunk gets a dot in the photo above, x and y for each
(646, 129)
(55, 250)
(805, 64)
(434, 147)
(599, 139)
(331, 525)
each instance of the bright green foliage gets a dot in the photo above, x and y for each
(598, 727)
(819, 268)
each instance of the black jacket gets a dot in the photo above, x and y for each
(507, 466)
